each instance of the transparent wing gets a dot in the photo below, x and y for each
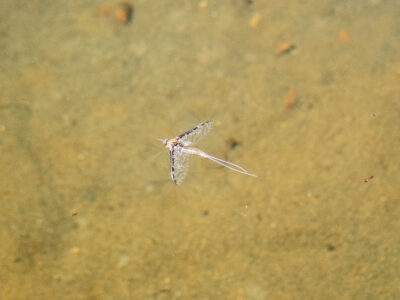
(195, 134)
(179, 166)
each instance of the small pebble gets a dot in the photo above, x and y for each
(203, 4)
(74, 250)
(344, 35)
(255, 20)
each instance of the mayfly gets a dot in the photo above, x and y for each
(180, 148)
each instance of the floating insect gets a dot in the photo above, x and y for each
(180, 149)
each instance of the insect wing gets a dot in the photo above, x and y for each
(179, 166)
(196, 134)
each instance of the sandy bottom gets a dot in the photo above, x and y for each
(305, 94)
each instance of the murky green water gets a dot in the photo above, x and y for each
(308, 90)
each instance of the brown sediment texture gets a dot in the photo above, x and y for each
(88, 210)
